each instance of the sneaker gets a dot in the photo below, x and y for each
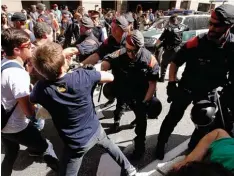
(132, 171)
(159, 154)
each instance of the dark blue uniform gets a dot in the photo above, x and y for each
(73, 30)
(110, 45)
(205, 70)
(87, 45)
(131, 84)
(172, 39)
(227, 94)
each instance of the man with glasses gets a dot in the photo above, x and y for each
(135, 70)
(117, 39)
(205, 70)
(15, 82)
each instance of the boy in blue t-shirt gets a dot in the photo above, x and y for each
(67, 97)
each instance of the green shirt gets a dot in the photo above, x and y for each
(222, 151)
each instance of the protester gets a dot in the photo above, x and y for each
(34, 14)
(220, 146)
(61, 88)
(19, 127)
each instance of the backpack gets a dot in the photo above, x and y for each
(5, 114)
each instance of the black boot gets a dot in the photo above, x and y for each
(159, 154)
(162, 79)
(116, 127)
(138, 152)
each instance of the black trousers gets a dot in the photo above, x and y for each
(176, 112)
(141, 118)
(29, 137)
(167, 57)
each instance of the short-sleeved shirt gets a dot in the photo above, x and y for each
(206, 66)
(69, 102)
(222, 151)
(110, 45)
(15, 84)
(88, 46)
(132, 78)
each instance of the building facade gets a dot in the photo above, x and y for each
(122, 5)
(18, 5)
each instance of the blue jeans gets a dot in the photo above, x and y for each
(31, 138)
(72, 159)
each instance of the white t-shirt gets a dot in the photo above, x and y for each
(15, 84)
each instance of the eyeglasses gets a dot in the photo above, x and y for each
(26, 45)
(217, 24)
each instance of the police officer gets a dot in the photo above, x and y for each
(136, 71)
(227, 93)
(73, 31)
(119, 31)
(205, 70)
(87, 43)
(171, 38)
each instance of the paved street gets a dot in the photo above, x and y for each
(98, 163)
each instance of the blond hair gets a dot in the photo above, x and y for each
(48, 60)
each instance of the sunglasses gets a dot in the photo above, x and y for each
(131, 51)
(217, 24)
(26, 45)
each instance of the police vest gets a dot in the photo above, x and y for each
(206, 67)
(173, 37)
(131, 77)
(93, 41)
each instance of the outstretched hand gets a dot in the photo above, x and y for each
(69, 52)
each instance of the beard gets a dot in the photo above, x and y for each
(214, 36)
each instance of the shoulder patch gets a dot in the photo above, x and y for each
(115, 54)
(192, 43)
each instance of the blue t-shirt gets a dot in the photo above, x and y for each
(69, 102)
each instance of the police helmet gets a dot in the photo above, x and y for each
(203, 113)
(155, 108)
(108, 91)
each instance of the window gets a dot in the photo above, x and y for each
(202, 22)
(189, 21)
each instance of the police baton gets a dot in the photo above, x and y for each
(220, 108)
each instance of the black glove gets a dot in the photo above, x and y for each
(88, 67)
(172, 90)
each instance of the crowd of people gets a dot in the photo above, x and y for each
(49, 57)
